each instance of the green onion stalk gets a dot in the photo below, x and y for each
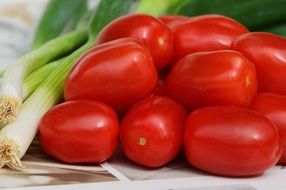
(11, 84)
(32, 81)
(16, 136)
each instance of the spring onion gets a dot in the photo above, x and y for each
(11, 84)
(32, 81)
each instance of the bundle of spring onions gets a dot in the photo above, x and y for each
(34, 83)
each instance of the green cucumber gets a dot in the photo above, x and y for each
(278, 29)
(254, 14)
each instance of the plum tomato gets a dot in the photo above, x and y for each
(118, 73)
(215, 78)
(205, 33)
(151, 131)
(273, 106)
(79, 132)
(231, 141)
(268, 53)
(149, 30)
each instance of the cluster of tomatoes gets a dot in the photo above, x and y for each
(175, 82)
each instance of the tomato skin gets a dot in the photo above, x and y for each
(151, 132)
(160, 89)
(268, 53)
(148, 29)
(79, 132)
(212, 78)
(169, 20)
(205, 33)
(273, 106)
(231, 141)
(118, 73)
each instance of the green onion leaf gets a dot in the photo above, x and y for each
(58, 14)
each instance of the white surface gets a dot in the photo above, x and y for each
(273, 180)
(43, 172)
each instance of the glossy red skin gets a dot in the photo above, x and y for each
(213, 78)
(118, 73)
(79, 132)
(205, 33)
(169, 20)
(273, 106)
(160, 89)
(158, 120)
(231, 141)
(268, 53)
(149, 30)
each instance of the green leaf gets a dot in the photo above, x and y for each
(58, 14)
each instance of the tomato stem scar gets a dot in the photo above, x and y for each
(142, 141)
(247, 80)
(161, 41)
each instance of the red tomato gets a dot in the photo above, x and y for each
(151, 132)
(149, 30)
(273, 106)
(169, 20)
(205, 33)
(268, 53)
(213, 78)
(231, 141)
(79, 132)
(118, 73)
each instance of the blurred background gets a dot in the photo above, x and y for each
(18, 23)
(18, 20)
